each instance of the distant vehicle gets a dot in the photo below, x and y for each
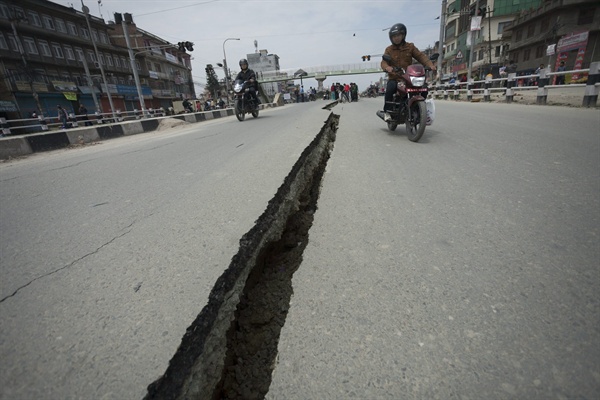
(179, 109)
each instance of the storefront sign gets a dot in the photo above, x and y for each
(573, 41)
(7, 106)
(72, 96)
(63, 86)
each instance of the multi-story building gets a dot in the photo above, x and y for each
(570, 29)
(490, 48)
(519, 31)
(51, 55)
(265, 64)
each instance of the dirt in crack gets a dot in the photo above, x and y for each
(254, 334)
(229, 351)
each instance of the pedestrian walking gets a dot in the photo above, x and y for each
(560, 79)
(63, 117)
(84, 117)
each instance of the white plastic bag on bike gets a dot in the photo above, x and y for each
(430, 104)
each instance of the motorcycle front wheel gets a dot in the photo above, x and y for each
(415, 123)
(239, 110)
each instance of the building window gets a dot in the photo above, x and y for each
(44, 48)
(4, 11)
(72, 29)
(545, 24)
(117, 62)
(586, 16)
(530, 30)
(109, 60)
(84, 32)
(58, 52)
(539, 52)
(95, 36)
(497, 52)
(34, 18)
(101, 58)
(13, 43)
(48, 22)
(126, 65)
(3, 42)
(502, 26)
(60, 25)
(526, 54)
(80, 55)
(519, 35)
(92, 56)
(29, 44)
(69, 53)
(103, 38)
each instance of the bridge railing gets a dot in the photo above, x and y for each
(324, 70)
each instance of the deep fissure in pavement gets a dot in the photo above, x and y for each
(229, 351)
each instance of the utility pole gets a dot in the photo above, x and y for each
(136, 76)
(441, 43)
(86, 11)
(472, 42)
(90, 82)
(489, 12)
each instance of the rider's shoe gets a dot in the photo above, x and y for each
(384, 116)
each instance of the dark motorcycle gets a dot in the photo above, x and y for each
(245, 102)
(408, 105)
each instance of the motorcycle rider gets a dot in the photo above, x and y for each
(248, 75)
(402, 53)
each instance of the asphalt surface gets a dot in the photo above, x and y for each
(462, 266)
(112, 249)
(465, 266)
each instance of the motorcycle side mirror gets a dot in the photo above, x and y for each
(387, 58)
(434, 56)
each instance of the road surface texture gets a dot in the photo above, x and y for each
(465, 266)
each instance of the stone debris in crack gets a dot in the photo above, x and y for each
(229, 351)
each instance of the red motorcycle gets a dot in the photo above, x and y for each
(408, 105)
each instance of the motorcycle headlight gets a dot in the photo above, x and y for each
(417, 80)
(237, 87)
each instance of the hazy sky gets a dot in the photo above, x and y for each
(303, 33)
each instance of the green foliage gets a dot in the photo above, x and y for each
(212, 82)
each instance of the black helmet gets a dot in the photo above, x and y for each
(397, 29)
(243, 61)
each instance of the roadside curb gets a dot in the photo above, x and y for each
(22, 145)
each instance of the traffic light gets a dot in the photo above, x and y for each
(181, 46)
(188, 46)
(366, 58)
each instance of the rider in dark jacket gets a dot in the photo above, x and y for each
(402, 53)
(247, 75)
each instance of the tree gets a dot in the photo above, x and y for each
(212, 83)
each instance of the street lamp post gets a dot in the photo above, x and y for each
(225, 67)
(86, 11)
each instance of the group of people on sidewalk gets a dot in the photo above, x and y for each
(344, 92)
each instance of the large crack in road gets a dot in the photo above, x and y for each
(230, 349)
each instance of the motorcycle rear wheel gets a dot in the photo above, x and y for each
(239, 110)
(416, 122)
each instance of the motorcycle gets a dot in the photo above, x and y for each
(409, 100)
(244, 103)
